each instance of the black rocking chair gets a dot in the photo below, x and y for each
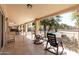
(54, 44)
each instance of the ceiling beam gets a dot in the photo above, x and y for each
(60, 12)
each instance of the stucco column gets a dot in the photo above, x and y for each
(6, 30)
(37, 22)
(26, 29)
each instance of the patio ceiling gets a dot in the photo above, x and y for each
(19, 13)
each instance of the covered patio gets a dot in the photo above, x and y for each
(21, 16)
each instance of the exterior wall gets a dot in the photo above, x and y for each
(0, 29)
(4, 28)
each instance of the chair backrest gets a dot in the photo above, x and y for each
(51, 38)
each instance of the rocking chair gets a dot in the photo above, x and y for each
(54, 43)
(38, 39)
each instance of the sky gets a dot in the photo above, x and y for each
(67, 19)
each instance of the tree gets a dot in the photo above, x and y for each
(65, 26)
(54, 22)
(34, 25)
(44, 22)
(75, 17)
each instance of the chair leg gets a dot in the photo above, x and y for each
(57, 50)
(46, 46)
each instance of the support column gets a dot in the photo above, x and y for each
(37, 23)
(26, 29)
(21, 29)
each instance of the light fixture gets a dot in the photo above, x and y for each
(29, 6)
